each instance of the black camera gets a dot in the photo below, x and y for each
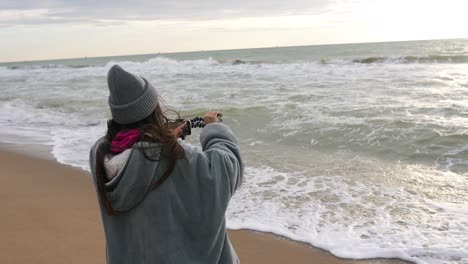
(196, 122)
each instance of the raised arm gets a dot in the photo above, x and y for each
(221, 147)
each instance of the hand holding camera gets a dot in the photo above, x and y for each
(183, 127)
(211, 117)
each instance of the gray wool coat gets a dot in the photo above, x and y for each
(183, 220)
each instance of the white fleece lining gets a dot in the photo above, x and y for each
(115, 163)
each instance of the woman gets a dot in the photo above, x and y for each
(161, 201)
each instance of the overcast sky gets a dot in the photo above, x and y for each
(50, 29)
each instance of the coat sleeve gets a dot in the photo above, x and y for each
(221, 148)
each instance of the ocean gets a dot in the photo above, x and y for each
(359, 149)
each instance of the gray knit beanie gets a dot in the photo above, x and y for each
(131, 98)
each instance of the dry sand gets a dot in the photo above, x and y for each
(50, 215)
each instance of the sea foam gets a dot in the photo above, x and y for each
(351, 219)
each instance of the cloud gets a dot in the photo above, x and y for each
(120, 11)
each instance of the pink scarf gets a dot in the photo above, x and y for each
(124, 140)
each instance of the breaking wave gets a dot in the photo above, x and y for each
(414, 59)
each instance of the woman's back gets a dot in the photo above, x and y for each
(182, 220)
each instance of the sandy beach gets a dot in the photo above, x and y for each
(50, 215)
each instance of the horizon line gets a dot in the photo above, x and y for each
(193, 51)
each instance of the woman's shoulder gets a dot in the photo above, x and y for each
(189, 148)
(192, 151)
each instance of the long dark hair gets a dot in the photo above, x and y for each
(153, 129)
